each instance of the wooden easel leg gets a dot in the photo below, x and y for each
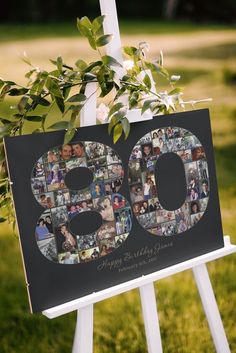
(150, 316)
(211, 309)
(83, 339)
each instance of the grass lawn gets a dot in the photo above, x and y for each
(118, 325)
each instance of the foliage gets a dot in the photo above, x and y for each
(64, 87)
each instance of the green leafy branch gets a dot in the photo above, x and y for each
(63, 88)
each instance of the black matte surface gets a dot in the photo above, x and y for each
(52, 284)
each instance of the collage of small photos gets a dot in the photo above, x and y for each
(54, 238)
(143, 189)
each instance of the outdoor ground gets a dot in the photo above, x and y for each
(205, 57)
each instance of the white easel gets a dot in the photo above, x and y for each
(83, 339)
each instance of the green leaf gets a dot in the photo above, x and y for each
(69, 135)
(59, 63)
(77, 98)
(117, 132)
(81, 64)
(5, 121)
(53, 87)
(5, 130)
(93, 65)
(17, 91)
(115, 108)
(110, 61)
(115, 120)
(97, 23)
(131, 51)
(66, 91)
(157, 68)
(126, 127)
(103, 40)
(40, 100)
(89, 77)
(147, 105)
(147, 81)
(177, 90)
(60, 125)
(2, 219)
(60, 103)
(34, 118)
(22, 103)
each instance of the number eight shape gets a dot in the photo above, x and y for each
(143, 191)
(54, 236)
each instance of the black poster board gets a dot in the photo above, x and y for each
(156, 208)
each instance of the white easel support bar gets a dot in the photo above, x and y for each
(150, 317)
(88, 113)
(140, 281)
(211, 309)
(83, 339)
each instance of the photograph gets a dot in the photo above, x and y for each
(68, 258)
(94, 150)
(65, 152)
(183, 213)
(119, 239)
(59, 215)
(38, 185)
(148, 165)
(56, 177)
(103, 205)
(123, 219)
(169, 228)
(87, 241)
(78, 149)
(136, 153)
(161, 144)
(145, 139)
(89, 254)
(156, 134)
(75, 163)
(44, 227)
(62, 197)
(48, 248)
(79, 195)
(118, 201)
(107, 230)
(185, 155)
(115, 171)
(204, 188)
(182, 226)
(203, 204)
(191, 142)
(106, 246)
(112, 186)
(136, 193)
(46, 200)
(196, 218)
(165, 216)
(97, 189)
(134, 172)
(64, 239)
(112, 157)
(51, 156)
(144, 208)
(194, 207)
(202, 169)
(170, 145)
(147, 150)
(38, 170)
(198, 153)
(146, 220)
(149, 185)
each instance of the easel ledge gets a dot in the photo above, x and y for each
(76, 304)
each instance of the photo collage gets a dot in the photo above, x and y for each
(142, 183)
(54, 238)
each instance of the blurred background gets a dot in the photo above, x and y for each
(198, 39)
